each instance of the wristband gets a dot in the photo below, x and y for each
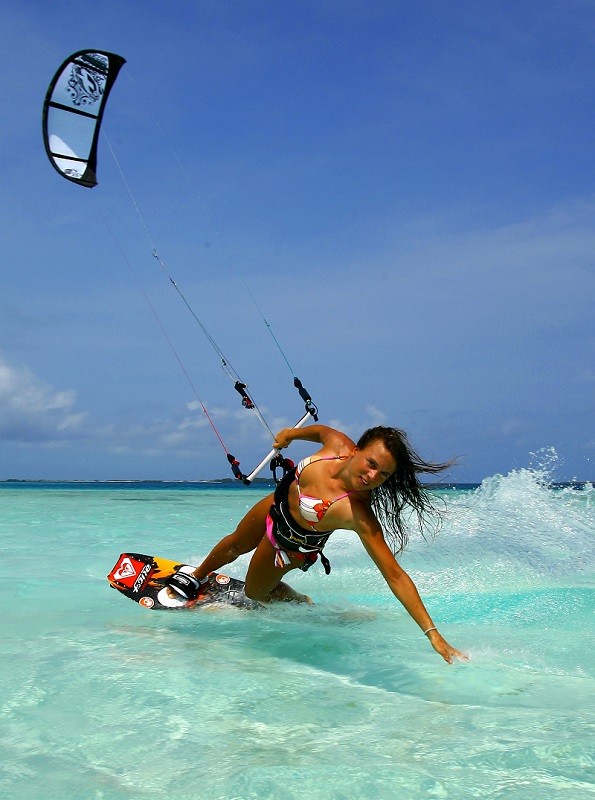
(433, 628)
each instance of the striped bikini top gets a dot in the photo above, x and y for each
(313, 509)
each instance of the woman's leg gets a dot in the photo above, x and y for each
(263, 579)
(245, 538)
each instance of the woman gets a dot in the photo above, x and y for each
(367, 486)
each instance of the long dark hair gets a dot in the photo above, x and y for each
(403, 489)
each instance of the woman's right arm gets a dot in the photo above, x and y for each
(401, 585)
(321, 434)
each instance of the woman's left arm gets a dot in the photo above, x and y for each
(402, 586)
(321, 434)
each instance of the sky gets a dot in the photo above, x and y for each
(406, 189)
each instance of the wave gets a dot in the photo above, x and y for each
(512, 532)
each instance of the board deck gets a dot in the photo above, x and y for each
(143, 579)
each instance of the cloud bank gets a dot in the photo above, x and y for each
(34, 412)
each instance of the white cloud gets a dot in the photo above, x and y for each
(35, 413)
(32, 411)
(376, 416)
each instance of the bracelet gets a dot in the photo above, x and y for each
(433, 628)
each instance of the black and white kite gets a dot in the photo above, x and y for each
(73, 110)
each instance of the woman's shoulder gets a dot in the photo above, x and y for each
(337, 443)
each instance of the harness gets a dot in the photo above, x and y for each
(285, 534)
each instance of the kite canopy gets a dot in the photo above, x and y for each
(73, 110)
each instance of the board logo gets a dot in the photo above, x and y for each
(125, 570)
(147, 602)
(131, 573)
(223, 580)
(142, 578)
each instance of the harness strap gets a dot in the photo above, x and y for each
(282, 559)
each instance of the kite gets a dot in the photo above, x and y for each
(73, 110)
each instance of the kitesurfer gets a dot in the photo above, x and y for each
(366, 487)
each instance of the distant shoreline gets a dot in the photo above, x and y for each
(227, 482)
(136, 482)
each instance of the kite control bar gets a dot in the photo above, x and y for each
(265, 461)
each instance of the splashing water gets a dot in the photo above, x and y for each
(518, 530)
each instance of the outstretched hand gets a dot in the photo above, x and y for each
(443, 648)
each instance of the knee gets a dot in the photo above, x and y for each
(252, 594)
(253, 588)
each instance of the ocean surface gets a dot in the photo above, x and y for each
(101, 699)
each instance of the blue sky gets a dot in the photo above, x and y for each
(406, 189)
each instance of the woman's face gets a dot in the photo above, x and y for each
(371, 465)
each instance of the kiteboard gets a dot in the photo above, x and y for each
(144, 579)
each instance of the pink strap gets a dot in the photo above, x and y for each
(269, 531)
(281, 557)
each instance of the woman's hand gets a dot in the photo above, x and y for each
(284, 438)
(442, 647)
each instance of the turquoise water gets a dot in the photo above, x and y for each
(345, 700)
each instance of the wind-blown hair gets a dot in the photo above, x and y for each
(403, 489)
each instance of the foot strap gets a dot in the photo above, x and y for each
(187, 586)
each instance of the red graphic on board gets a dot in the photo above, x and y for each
(128, 570)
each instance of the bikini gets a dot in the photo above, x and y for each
(285, 534)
